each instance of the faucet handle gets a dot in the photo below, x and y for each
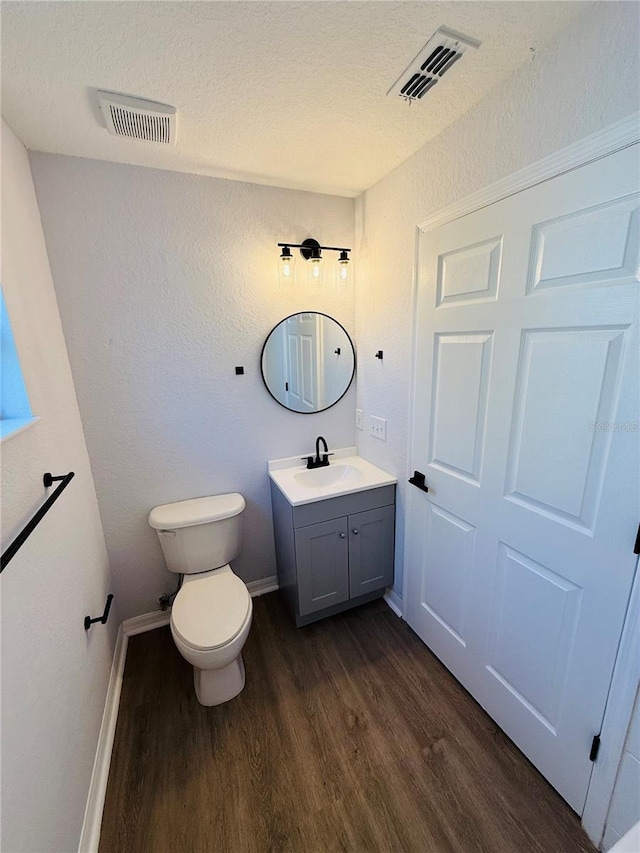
(317, 461)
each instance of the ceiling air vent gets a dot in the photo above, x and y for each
(136, 118)
(439, 55)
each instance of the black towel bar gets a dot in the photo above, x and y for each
(28, 529)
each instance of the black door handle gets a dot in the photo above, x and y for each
(418, 480)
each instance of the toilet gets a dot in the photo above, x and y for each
(212, 612)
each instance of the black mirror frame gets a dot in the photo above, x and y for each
(353, 372)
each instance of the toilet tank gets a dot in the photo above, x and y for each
(199, 534)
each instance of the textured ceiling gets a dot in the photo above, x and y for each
(285, 93)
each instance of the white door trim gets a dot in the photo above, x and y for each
(614, 138)
(609, 140)
(617, 716)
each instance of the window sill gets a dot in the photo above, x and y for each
(12, 426)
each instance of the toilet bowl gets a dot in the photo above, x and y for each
(210, 621)
(212, 612)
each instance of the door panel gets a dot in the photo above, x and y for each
(469, 273)
(461, 374)
(588, 246)
(556, 465)
(527, 654)
(520, 560)
(451, 540)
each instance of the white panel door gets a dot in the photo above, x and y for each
(520, 557)
(303, 391)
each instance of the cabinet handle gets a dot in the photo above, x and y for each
(355, 531)
(343, 535)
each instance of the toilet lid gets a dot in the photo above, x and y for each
(210, 612)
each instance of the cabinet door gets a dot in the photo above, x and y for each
(322, 563)
(371, 550)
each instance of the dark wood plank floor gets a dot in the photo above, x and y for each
(349, 736)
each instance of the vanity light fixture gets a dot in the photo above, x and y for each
(312, 251)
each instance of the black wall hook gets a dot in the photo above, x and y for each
(379, 354)
(88, 621)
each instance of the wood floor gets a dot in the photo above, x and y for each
(349, 736)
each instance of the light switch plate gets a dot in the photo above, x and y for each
(358, 418)
(378, 427)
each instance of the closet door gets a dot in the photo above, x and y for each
(520, 557)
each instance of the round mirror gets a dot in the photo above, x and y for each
(308, 362)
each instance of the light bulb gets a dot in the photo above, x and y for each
(312, 252)
(285, 268)
(343, 267)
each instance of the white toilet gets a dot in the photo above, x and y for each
(212, 612)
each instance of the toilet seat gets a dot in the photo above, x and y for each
(211, 610)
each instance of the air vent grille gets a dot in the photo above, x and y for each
(149, 127)
(136, 118)
(437, 57)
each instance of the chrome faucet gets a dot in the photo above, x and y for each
(319, 461)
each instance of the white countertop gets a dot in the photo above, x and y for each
(346, 474)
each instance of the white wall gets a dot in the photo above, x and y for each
(166, 282)
(548, 104)
(338, 368)
(54, 674)
(624, 811)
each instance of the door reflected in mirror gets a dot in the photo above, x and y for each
(308, 362)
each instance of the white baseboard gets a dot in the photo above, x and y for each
(91, 825)
(263, 586)
(394, 601)
(146, 622)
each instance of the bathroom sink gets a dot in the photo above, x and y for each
(346, 473)
(337, 473)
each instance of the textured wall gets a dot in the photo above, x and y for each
(165, 282)
(551, 102)
(54, 675)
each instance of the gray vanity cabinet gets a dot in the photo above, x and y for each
(336, 553)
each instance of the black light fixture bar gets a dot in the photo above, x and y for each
(306, 246)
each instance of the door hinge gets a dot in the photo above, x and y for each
(595, 747)
(636, 549)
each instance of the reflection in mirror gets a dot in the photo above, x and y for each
(308, 362)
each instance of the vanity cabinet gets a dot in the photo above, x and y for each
(335, 553)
